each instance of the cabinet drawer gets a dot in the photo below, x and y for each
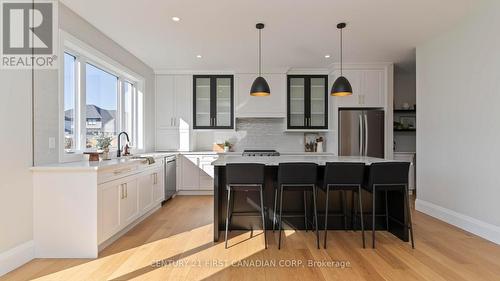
(112, 174)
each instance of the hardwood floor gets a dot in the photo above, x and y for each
(180, 234)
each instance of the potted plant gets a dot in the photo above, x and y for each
(227, 146)
(103, 143)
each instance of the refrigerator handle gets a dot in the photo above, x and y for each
(366, 135)
(361, 137)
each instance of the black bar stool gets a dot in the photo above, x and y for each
(244, 177)
(297, 177)
(389, 176)
(344, 177)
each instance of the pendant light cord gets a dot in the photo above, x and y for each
(260, 55)
(341, 45)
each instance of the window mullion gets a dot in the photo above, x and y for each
(135, 115)
(121, 106)
(81, 104)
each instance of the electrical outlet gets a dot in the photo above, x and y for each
(52, 143)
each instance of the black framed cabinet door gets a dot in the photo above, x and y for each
(213, 102)
(307, 102)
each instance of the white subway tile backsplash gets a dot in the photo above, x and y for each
(254, 133)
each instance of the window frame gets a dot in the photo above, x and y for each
(85, 54)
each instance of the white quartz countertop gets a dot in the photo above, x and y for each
(203, 152)
(275, 160)
(100, 165)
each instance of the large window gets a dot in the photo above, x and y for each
(98, 101)
(101, 105)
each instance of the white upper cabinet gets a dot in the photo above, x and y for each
(273, 105)
(183, 89)
(173, 111)
(165, 101)
(368, 88)
(173, 101)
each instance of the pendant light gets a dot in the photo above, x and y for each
(341, 87)
(260, 88)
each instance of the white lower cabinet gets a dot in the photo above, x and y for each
(80, 210)
(158, 186)
(110, 196)
(119, 204)
(124, 200)
(206, 172)
(196, 173)
(146, 191)
(190, 179)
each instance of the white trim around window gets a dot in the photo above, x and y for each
(86, 54)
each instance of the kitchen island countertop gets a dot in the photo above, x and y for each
(320, 159)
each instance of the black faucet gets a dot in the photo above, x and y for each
(119, 153)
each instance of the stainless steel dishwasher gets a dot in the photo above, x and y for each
(170, 176)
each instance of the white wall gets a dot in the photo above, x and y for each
(16, 193)
(458, 137)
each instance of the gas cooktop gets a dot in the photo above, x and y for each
(260, 153)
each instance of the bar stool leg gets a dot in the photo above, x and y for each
(263, 216)
(344, 208)
(227, 213)
(274, 208)
(352, 211)
(361, 215)
(326, 214)
(280, 220)
(373, 218)
(315, 215)
(355, 207)
(231, 209)
(386, 211)
(408, 211)
(305, 210)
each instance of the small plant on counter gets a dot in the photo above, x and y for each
(227, 146)
(104, 142)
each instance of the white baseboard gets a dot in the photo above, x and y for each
(480, 228)
(16, 257)
(195, 192)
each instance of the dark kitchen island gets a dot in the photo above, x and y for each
(249, 201)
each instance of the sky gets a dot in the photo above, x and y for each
(101, 87)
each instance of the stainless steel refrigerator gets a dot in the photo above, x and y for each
(361, 132)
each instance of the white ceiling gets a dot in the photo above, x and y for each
(297, 33)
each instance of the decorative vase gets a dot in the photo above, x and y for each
(226, 148)
(105, 154)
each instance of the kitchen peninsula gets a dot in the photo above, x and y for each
(82, 207)
(247, 201)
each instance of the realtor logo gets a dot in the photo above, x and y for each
(28, 34)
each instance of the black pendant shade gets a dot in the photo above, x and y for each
(260, 88)
(341, 87)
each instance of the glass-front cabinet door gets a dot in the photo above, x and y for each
(202, 102)
(296, 102)
(307, 104)
(213, 101)
(319, 100)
